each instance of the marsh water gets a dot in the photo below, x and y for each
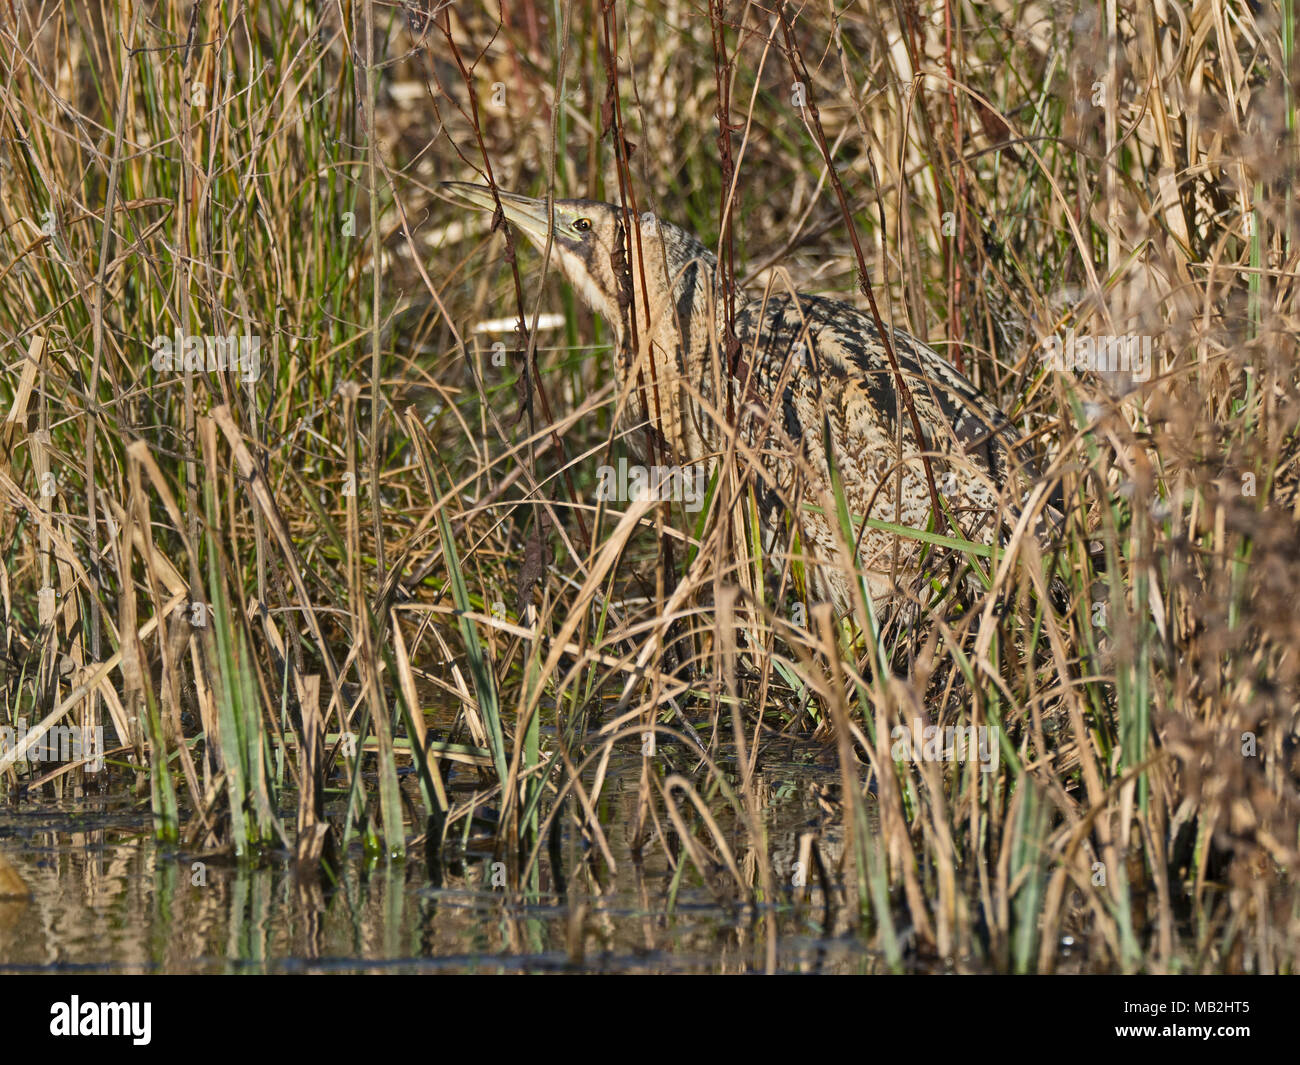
(106, 898)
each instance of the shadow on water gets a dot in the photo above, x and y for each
(106, 898)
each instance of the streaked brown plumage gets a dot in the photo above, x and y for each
(806, 364)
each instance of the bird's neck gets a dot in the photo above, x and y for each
(666, 341)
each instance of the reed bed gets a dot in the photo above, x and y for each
(368, 594)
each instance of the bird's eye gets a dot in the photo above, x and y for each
(582, 225)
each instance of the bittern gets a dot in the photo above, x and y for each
(811, 386)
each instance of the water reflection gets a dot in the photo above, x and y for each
(106, 898)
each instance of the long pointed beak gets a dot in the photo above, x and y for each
(529, 215)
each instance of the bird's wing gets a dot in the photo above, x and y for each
(841, 343)
(814, 355)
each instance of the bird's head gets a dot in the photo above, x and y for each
(587, 238)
